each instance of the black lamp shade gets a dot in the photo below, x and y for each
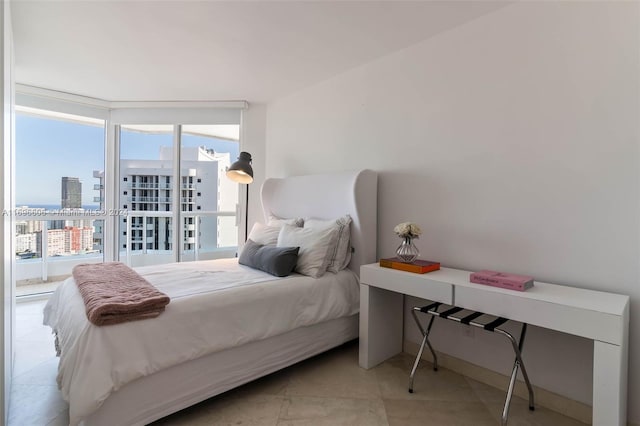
(241, 171)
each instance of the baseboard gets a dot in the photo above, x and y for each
(553, 401)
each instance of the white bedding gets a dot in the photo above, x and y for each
(236, 305)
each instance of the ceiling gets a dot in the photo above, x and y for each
(214, 50)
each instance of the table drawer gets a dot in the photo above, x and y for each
(580, 322)
(418, 285)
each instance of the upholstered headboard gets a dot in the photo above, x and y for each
(329, 196)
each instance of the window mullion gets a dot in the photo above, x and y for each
(176, 189)
(110, 239)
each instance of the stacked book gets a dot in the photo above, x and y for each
(502, 280)
(418, 266)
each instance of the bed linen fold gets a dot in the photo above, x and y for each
(215, 305)
(113, 293)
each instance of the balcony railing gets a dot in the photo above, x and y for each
(145, 185)
(136, 199)
(140, 199)
(30, 268)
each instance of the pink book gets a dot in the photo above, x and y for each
(502, 280)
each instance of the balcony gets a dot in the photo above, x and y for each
(213, 236)
(145, 185)
(136, 199)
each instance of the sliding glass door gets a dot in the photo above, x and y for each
(145, 192)
(177, 212)
(58, 216)
(95, 183)
(208, 198)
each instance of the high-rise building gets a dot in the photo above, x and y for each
(56, 242)
(147, 185)
(78, 240)
(71, 193)
(98, 225)
(26, 243)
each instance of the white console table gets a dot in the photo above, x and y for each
(599, 316)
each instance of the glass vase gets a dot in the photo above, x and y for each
(407, 252)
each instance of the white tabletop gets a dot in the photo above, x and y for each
(598, 301)
(593, 314)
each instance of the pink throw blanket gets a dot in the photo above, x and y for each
(114, 293)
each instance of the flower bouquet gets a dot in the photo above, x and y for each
(407, 252)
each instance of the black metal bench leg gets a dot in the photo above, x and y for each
(425, 340)
(518, 363)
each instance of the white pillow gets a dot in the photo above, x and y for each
(341, 256)
(264, 234)
(316, 246)
(277, 221)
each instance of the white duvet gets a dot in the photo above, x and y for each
(215, 305)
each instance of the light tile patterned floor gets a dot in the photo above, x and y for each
(330, 389)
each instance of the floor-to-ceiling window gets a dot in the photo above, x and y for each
(208, 197)
(58, 220)
(145, 192)
(105, 186)
(192, 206)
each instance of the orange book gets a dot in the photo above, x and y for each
(418, 266)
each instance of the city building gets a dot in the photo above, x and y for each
(78, 240)
(26, 242)
(71, 193)
(147, 186)
(98, 225)
(60, 242)
(56, 242)
(64, 237)
(28, 226)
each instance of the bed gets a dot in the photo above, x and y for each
(108, 379)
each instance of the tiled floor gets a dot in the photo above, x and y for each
(329, 389)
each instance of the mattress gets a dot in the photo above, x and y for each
(152, 397)
(215, 305)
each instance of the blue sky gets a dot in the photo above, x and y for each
(47, 150)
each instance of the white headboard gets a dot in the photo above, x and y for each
(330, 196)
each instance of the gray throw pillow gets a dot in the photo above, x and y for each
(278, 261)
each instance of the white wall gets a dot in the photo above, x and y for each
(513, 141)
(252, 141)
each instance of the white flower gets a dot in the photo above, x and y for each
(407, 229)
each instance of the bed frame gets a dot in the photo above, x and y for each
(320, 196)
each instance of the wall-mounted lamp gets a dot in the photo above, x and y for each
(242, 172)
